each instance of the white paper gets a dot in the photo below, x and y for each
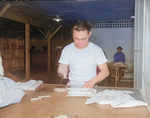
(35, 99)
(40, 97)
(61, 116)
(116, 98)
(10, 92)
(46, 96)
(30, 85)
(128, 103)
(81, 92)
(100, 97)
(1, 96)
(60, 89)
(128, 92)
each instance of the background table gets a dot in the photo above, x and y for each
(73, 107)
(116, 72)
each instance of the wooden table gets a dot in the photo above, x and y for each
(73, 107)
(116, 72)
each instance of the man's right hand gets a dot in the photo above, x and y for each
(63, 70)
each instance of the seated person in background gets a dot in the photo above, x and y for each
(119, 57)
(119, 60)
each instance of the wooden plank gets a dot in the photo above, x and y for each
(21, 44)
(15, 62)
(6, 51)
(7, 43)
(21, 62)
(1, 42)
(7, 64)
(14, 53)
(55, 32)
(7, 56)
(42, 32)
(4, 9)
(62, 36)
(25, 20)
(73, 107)
(14, 43)
(27, 48)
(21, 53)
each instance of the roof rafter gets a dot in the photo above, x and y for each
(4, 9)
(25, 20)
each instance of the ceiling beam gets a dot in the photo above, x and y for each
(4, 9)
(25, 21)
(54, 32)
(42, 32)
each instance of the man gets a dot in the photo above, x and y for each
(81, 57)
(119, 56)
(119, 60)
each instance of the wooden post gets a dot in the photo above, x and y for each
(48, 55)
(27, 49)
(62, 41)
(49, 36)
(49, 51)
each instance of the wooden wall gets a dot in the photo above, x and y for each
(12, 51)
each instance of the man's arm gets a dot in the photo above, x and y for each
(1, 67)
(63, 70)
(102, 75)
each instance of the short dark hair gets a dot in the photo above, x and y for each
(81, 25)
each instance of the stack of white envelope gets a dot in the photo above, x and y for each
(60, 89)
(116, 98)
(61, 116)
(81, 92)
(30, 85)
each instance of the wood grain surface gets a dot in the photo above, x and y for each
(59, 104)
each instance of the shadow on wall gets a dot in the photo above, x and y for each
(95, 40)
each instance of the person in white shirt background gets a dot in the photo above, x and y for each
(79, 59)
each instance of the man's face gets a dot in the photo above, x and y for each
(119, 49)
(81, 39)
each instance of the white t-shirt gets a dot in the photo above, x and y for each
(1, 68)
(82, 63)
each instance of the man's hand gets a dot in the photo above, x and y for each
(63, 70)
(89, 84)
(102, 75)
